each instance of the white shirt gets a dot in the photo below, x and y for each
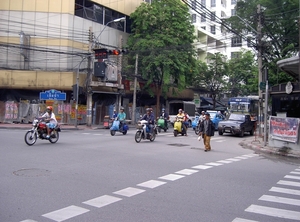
(52, 117)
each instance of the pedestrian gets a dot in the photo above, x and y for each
(207, 130)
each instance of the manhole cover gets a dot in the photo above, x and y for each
(178, 144)
(31, 172)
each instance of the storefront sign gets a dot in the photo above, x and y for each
(284, 129)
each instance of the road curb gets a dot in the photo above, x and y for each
(268, 150)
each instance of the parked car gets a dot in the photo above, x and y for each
(215, 117)
(237, 124)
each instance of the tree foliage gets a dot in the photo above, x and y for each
(279, 31)
(162, 36)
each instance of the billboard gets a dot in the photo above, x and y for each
(284, 129)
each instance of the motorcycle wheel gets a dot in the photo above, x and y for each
(138, 136)
(175, 133)
(112, 132)
(159, 129)
(30, 138)
(197, 131)
(153, 137)
(125, 132)
(54, 137)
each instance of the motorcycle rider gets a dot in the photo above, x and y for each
(165, 116)
(150, 118)
(50, 119)
(121, 117)
(180, 116)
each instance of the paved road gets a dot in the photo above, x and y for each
(92, 176)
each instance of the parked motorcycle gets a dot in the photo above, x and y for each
(178, 127)
(161, 124)
(39, 130)
(116, 128)
(143, 132)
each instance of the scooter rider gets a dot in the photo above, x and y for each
(165, 116)
(150, 118)
(121, 117)
(180, 116)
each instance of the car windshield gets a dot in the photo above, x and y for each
(237, 117)
(212, 114)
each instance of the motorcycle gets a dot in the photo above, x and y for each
(39, 130)
(196, 124)
(143, 132)
(178, 127)
(116, 127)
(161, 124)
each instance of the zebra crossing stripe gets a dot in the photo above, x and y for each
(292, 177)
(65, 213)
(243, 220)
(274, 212)
(102, 201)
(282, 200)
(293, 172)
(284, 190)
(289, 183)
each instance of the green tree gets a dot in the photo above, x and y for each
(279, 31)
(162, 36)
(213, 75)
(242, 75)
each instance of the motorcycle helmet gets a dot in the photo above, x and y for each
(49, 108)
(122, 108)
(148, 110)
(163, 109)
(180, 110)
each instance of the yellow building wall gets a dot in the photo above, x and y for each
(58, 6)
(66, 6)
(16, 79)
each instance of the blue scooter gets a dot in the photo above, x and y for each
(116, 127)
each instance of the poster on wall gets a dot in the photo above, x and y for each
(284, 129)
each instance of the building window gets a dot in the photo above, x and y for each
(233, 2)
(194, 5)
(203, 3)
(203, 17)
(233, 12)
(236, 41)
(235, 55)
(213, 16)
(89, 10)
(212, 3)
(203, 27)
(194, 18)
(213, 29)
(148, 1)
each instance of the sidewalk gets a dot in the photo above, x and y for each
(253, 143)
(257, 144)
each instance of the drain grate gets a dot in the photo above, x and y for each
(178, 144)
(33, 172)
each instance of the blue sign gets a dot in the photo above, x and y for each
(52, 94)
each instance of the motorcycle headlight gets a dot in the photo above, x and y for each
(34, 122)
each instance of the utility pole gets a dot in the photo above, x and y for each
(266, 107)
(89, 101)
(134, 89)
(259, 55)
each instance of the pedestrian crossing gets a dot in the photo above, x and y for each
(286, 193)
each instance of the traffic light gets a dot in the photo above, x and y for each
(104, 53)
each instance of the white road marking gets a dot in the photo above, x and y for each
(220, 141)
(292, 177)
(224, 161)
(214, 164)
(249, 155)
(282, 200)
(202, 167)
(233, 159)
(293, 172)
(151, 184)
(98, 134)
(289, 183)
(274, 212)
(297, 169)
(65, 213)
(86, 133)
(129, 192)
(171, 177)
(242, 157)
(243, 220)
(28, 220)
(284, 190)
(187, 171)
(102, 201)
